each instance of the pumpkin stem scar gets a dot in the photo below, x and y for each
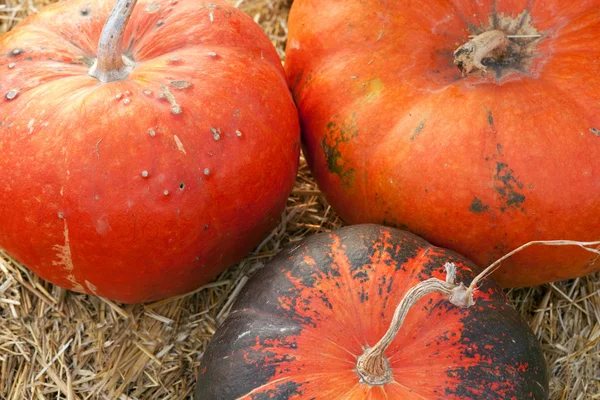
(492, 44)
(111, 65)
(372, 366)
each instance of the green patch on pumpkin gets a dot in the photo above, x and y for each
(337, 134)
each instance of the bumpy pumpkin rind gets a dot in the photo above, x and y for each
(147, 187)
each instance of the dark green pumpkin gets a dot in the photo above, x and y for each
(299, 325)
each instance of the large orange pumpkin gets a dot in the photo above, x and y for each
(480, 160)
(142, 169)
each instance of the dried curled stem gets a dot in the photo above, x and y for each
(496, 264)
(373, 367)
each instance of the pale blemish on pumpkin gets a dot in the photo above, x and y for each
(102, 225)
(144, 174)
(151, 132)
(166, 94)
(97, 148)
(76, 286)
(11, 94)
(212, 54)
(210, 7)
(216, 133)
(11, 65)
(244, 334)
(30, 125)
(238, 133)
(179, 144)
(372, 88)
(65, 258)
(126, 101)
(206, 171)
(152, 8)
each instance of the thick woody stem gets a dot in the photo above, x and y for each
(111, 65)
(492, 44)
(372, 366)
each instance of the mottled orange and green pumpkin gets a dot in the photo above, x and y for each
(150, 185)
(297, 328)
(479, 163)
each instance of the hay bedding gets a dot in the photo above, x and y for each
(56, 344)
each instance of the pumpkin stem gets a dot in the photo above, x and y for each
(491, 45)
(372, 366)
(111, 64)
(592, 247)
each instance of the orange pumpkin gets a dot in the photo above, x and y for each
(144, 168)
(480, 160)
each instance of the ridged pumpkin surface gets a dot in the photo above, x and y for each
(480, 164)
(299, 325)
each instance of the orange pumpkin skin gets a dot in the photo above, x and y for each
(480, 164)
(121, 190)
(299, 325)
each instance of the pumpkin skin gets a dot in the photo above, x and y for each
(480, 164)
(299, 325)
(77, 207)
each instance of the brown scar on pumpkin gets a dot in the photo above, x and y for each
(181, 84)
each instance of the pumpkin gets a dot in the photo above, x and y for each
(475, 125)
(308, 326)
(142, 157)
